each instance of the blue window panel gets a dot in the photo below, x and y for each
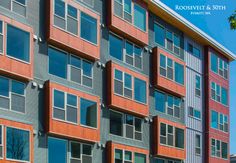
(72, 11)
(71, 100)
(4, 87)
(88, 113)
(21, 1)
(137, 51)
(128, 81)
(140, 90)
(214, 119)
(160, 102)
(139, 17)
(76, 62)
(18, 144)
(159, 34)
(170, 101)
(198, 82)
(18, 87)
(159, 161)
(196, 52)
(177, 101)
(116, 47)
(118, 74)
(169, 35)
(177, 40)
(214, 63)
(139, 158)
(179, 73)
(59, 99)
(57, 63)
(88, 28)
(127, 6)
(57, 150)
(224, 95)
(87, 68)
(1, 26)
(197, 114)
(59, 6)
(163, 61)
(129, 48)
(18, 43)
(170, 62)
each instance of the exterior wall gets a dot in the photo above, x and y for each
(194, 66)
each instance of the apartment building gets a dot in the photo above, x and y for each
(110, 81)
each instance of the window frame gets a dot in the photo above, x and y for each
(27, 130)
(65, 106)
(125, 124)
(123, 155)
(219, 123)
(10, 96)
(123, 11)
(200, 145)
(11, 8)
(200, 85)
(2, 144)
(218, 150)
(194, 110)
(219, 93)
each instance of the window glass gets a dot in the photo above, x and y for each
(177, 40)
(224, 94)
(118, 74)
(197, 114)
(139, 158)
(1, 31)
(18, 144)
(159, 34)
(21, 1)
(75, 150)
(116, 47)
(196, 52)
(116, 123)
(87, 149)
(60, 8)
(198, 82)
(139, 17)
(190, 48)
(18, 87)
(18, 43)
(159, 161)
(88, 28)
(87, 68)
(59, 99)
(128, 156)
(140, 90)
(57, 63)
(169, 35)
(57, 150)
(71, 100)
(179, 73)
(4, 87)
(214, 63)
(129, 48)
(214, 119)
(160, 101)
(128, 81)
(138, 124)
(163, 61)
(127, 6)
(224, 150)
(179, 136)
(88, 113)
(129, 119)
(75, 61)
(118, 156)
(72, 11)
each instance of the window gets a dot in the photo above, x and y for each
(1, 36)
(171, 136)
(70, 67)
(176, 44)
(118, 156)
(219, 121)
(17, 6)
(88, 28)
(139, 158)
(1, 141)
(140, 90)
(219, 149)
(128, 157)
(167, 104)
(171, 70)
(125, 51)
(198, 144)
(139, 17)
(87, 2)
(12, 95)
(65, 106)
(159, 34)
(198, 85)
(17, 144)
(193, 50)
(78, 152)
(88, 113)
(123, 156)
(219, 66)
(132, 125)
(219, 94)
(18, 43)
(194, 113)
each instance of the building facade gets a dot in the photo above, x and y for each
(110, 81)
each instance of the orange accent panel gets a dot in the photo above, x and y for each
(70, 42)
(18, 125)
(163, 82)
(111, 146)
(13, 67)
(119, 102)
(167, 151)
(66, 129)
(125, 28)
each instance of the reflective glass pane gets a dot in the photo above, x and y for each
(139, 17)
(18, 87)
(4, 87)
(57, 150)
(72, 11)
(160, 101)
(71, 100)
(116, 123)
(116, 47)
(214, 63)
(224, 94)
(179, 73)
(177, 40)
(214, 119)
(87, 149)
(88, 113)
(129, 48)
(59, 100)
(118, 74)
(128, 81)
(179, 136)
(159, 34)
(75, 150)
(59, 7)
(74, 61)
(127, 6)
(139, 158)
(140, 93)
(87, 68)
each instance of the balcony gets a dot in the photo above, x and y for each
(16, 49)
(130, 22)
(169, 139)
(127, 90)
(71, 113)
(76, 31)
(168, 72)
(115, 153)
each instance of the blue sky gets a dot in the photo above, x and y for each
(216, 25)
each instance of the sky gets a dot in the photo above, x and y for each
(216, 25)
